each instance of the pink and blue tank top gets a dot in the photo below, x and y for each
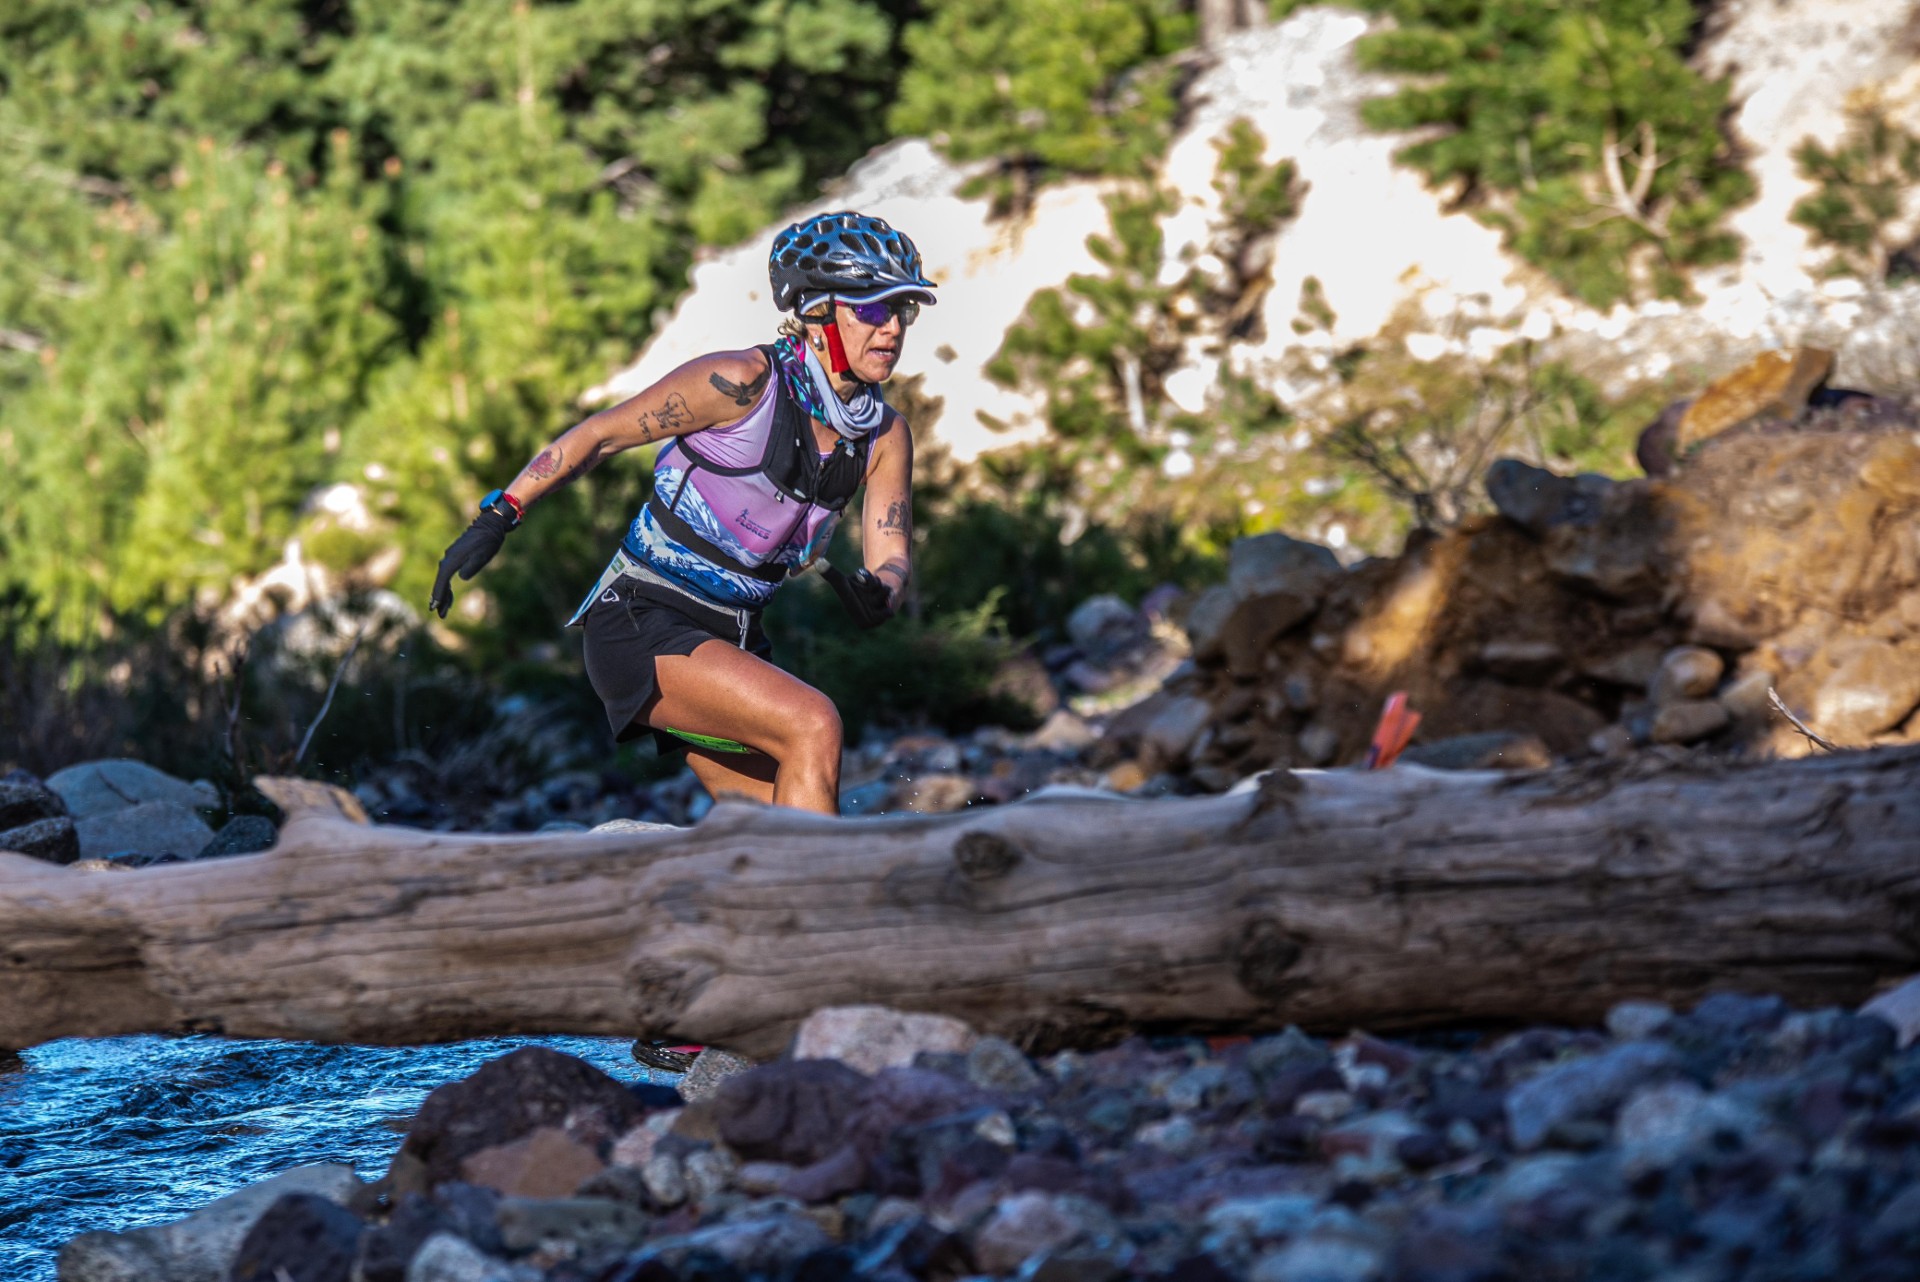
(736, 507)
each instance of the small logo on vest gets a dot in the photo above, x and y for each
(746, 522)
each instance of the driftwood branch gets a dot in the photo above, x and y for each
(1813, 737)
(1388, 899)
(326, 704)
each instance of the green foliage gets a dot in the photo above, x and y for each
(260, 246)
(1099, 349)
(1864, 184)
(1422, 434)
(1575, 126)
(1044, 87)
(928, 668)
(1255, 197)
(1100, 345)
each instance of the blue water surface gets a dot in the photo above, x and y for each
(115, 1133)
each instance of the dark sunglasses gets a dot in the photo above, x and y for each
(876, 314)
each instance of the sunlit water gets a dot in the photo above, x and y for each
(120, 1132)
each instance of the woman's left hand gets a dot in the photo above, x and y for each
(865, 596)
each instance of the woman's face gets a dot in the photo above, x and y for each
(872, 350)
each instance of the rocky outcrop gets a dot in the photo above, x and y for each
(1780, 551)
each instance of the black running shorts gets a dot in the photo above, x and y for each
(631, 624)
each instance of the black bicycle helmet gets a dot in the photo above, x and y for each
(846, 255)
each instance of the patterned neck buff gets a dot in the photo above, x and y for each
(809, 383)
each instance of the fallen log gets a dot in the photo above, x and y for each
(1389, 899)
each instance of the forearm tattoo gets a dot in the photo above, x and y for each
(743, 394)
(667, 419)
(897, 521)
(548, 465)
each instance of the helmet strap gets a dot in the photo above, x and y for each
(836, 351)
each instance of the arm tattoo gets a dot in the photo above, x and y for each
(896, 520)
(742, 394)
(548, 464)
(674, 414)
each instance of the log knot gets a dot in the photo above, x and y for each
(985, 856)
(1263, 955)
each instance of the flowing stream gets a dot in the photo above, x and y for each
(115, 1133)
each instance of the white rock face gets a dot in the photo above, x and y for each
(1374, 236)
(1796, 67)
(1370, 231)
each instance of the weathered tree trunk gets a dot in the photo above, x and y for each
(1391, 899)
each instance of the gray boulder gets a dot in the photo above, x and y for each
(1102, 622)
(1273, 583)
(99, 787)
(1537, 500)
(710, 1067)
(151, 828)
(53, 840)
(34, 820)
(1688, 720)
(1488, 750)
(201, 1247)
(447, 1258)
(24, 799)
(1175, 728)
(1582, 1088)
(242, 835)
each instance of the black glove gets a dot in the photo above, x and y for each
(867, 599)
(469, 552)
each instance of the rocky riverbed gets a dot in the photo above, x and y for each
(1737, 1140)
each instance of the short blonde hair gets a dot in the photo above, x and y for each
(794, 325)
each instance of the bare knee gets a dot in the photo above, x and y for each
(812, 730)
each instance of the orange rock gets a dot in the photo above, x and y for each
(544, 1163)
(1772, 385)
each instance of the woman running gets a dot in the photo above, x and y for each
(764, 448)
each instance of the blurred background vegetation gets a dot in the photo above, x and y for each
(261, 250)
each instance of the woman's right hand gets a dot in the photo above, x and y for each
(467, 554)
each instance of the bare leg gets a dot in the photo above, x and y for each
(734, 774)
(720, 690)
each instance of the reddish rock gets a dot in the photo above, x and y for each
(793, 1111)
(506, 1099)
(546, 1163)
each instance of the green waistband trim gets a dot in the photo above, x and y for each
(712, 741)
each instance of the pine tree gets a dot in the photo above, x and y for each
(1045, 87)
(1575, 126)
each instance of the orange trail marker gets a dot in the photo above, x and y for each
(1393, 733)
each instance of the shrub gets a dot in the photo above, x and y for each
(1860, 210)
(1576, 128)
(1422, 433)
